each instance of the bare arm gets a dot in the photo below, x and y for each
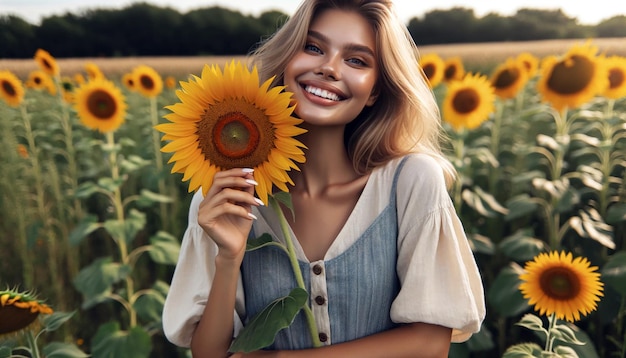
(224, 216)
(415, 340)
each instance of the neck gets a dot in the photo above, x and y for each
(327, 161)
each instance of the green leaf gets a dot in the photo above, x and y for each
(616, 213)
(5, 352)
(85, 190)
(565, 334)
(565, 352)
(264, 326)
(532, 322)
(590, 224)
(524, 350)
(520, 206)
(520, 247)
(133, 163)
(149, 306)
(55, 320)
(586, 350)
(568, 200)
(484, 203)
(111, 342)
(147, 198)
(164, 249)
(285, 199)
(135, 221)
(614, 272)
(100, 276)
(504, 294)
(109, 184)
(262, 241)
(86, 226)
(63, 350)
(480, 243)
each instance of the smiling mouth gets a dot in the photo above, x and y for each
(322, 93)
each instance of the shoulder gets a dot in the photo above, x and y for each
(420, 179)
(420, 168)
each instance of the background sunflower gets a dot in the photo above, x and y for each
(469, 102)
(556, 283)
(574, 79)
(100, 105)
(11, 89)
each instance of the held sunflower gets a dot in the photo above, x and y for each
(574, 79)
(468, 102)
(509, 78)
(226, 120)
(19, 310)
(147, 81)
(616, 68)
(11, 89)
(433, 67)
(47, 63)
(557, 283)
(100, 105)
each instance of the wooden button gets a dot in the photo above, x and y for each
(323, 337)
(320, 300)
(317, 269)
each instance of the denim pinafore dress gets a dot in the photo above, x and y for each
(360, 284)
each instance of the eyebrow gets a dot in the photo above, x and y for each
(350, 47)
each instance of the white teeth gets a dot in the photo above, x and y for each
(322, 93)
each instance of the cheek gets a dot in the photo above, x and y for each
(365, 84)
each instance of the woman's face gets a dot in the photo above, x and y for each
(334, 75)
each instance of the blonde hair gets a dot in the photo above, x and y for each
(405, 117)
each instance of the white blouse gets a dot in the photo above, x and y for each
(440, 281)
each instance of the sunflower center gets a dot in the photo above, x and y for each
(101, 104)
(616, 78)
(506, 78)
(13, 319)
(559, 283)
(235, 134)
(37, 80)
(8, 88)
(146, 82)
(466, 101)
(571, 75)
(47, 64)
(449, 72)
(429, 71)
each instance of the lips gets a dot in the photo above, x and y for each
(322, 93)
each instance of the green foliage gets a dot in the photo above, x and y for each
(260, 331)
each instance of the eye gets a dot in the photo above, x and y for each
(356, 62)
(312, 48)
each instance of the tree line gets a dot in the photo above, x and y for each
(143, 29)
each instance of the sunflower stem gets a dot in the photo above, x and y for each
(284, 226)
(32, 343)
(158, 157)
(119, 210)
(549, 338)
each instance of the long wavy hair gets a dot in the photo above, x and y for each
(405, 118)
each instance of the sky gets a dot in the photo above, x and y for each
(586, 12)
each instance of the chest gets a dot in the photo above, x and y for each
(318, 221)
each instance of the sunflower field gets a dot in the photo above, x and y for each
(93, 210)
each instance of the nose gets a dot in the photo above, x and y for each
(329, 69)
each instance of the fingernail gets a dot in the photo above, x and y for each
(259, 201)
(252, 182)
(252, 216)
(248, 170)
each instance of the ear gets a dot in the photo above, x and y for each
(373, 97)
